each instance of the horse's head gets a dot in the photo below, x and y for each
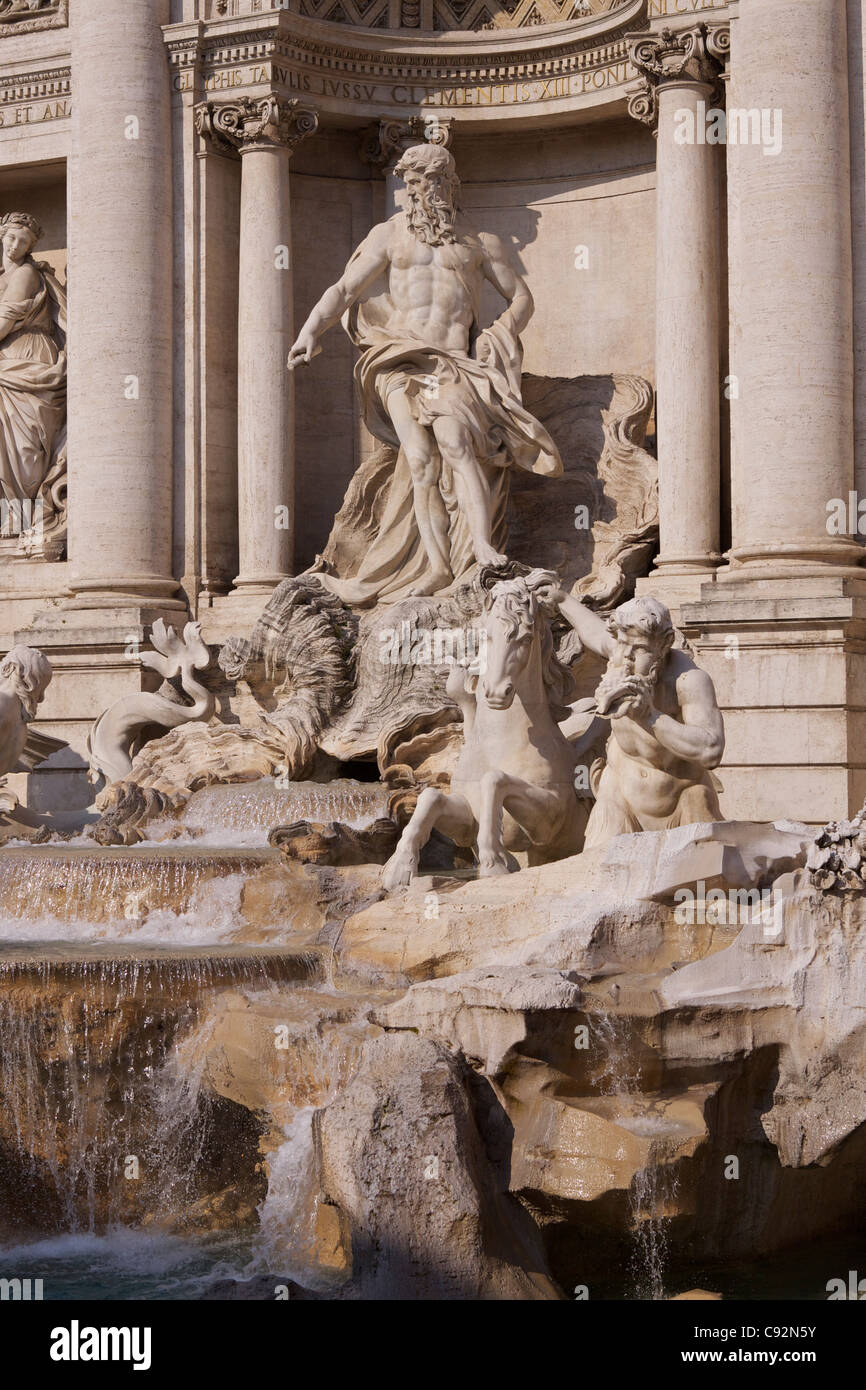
(512, 640)
(520, 657)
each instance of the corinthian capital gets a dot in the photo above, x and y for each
(384, 143)
(696, 55)
(255, 123)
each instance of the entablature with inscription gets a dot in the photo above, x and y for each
(542, 72)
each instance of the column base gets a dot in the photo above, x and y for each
(787, 654)
(675, 587)
(112, 591)
(799, 559)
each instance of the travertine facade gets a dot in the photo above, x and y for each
(200, 170)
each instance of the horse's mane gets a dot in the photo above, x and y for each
(519, 607)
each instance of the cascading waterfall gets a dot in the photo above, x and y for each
(97, 1123)
(653, 1191)
(652, 1199)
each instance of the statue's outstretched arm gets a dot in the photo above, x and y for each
(367, 263)
(590, 628)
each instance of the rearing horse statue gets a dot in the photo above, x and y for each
(513, 786)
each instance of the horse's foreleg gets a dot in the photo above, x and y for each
(493, 858)
(537, 810)
(452, 813)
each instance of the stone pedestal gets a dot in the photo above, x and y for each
(787, 659)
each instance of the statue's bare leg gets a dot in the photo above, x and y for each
(430, 513)
(451, 813)
(455, 446)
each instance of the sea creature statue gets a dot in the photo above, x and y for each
(112, 740)
(514, 784)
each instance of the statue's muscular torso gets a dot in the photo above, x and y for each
(432, 287)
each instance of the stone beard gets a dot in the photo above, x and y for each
(431, 213)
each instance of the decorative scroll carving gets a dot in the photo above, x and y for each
(253, 123)
(694, 55)
(384, 144)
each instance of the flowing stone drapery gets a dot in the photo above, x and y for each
(264, 130)
(32, 395)
(680, 77)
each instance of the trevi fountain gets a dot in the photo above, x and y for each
(432, 649)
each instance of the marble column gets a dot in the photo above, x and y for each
(681, 75)
(264, 131)
(791, 286)
(120, 328)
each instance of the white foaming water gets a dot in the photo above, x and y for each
(241, 814)
(287, 1216)
(213, 917)
(124, 1263)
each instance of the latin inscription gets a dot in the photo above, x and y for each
(659, 9)
(35, 113)
(414, 94)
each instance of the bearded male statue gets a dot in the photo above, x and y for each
(666, 730)
(434, 384)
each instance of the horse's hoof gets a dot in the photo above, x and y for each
(398, 872)
(495, 865)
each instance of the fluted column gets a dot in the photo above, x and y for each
(681, 74)
(264, 131)
(120, 285)
(791, 287)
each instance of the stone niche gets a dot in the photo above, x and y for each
(547, 194)
(39, 191)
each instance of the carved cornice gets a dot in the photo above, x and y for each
(24, 16)
(383, 144)
(255, 123)
(373, 73)
(696, 56)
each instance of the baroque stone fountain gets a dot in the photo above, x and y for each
(406, 953)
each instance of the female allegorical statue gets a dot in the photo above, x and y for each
(32, 392)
